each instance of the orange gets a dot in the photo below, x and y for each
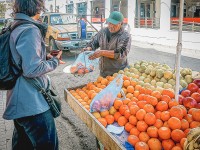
(188, 117)
(164, 133)
(141, 104)
(182, 142)
(142, 126)
(133, 83)
(156, 94)
(148, 91)
(150, 118)
(140, 114)
(152, 131)
(126, 83)
(134, 131)
(130, 89)
(137, 87)
(158, 114)
(166, 98)
(154, 144)
(165, 115)
(134, 99)
(149, 108)
(102, 121)
(117, 104)
(172, 103)
(194, 124)
(126, 101)
(141, 97)
(144, 137)
(134, 109)
(196, 115)
(136, 93)
(104, 81)
(184, 124)
(117, 115)
(174, 123)
(158, 123)
(177, 135)
(176, 111)
(128, 127)
(132, 139)
(176, 148)
(133, 120)
(168, 92)
(110, 119)
(162, 106)
(141, 146)
(104, 113)
(127, 114)
(122, 120)
(123, 108)
(168, 144)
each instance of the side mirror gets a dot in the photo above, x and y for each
(82, 29)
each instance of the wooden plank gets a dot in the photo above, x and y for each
(106, 138)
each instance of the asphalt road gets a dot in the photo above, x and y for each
(73, 133)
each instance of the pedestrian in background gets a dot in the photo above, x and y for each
(34, 126)
(114, 43)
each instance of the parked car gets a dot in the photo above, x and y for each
(62, 32)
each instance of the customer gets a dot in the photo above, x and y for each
(114, 43)
(34, 124)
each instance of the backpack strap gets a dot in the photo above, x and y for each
(18, 23)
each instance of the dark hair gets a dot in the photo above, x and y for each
(28, 7)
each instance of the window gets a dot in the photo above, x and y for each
(82, 9)
(98, 11)
(122, 6)
(70, 8)
(147, 14)
(191, 16)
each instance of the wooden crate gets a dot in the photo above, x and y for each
(105, 137)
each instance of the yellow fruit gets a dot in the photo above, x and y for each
(96, 115)
(112, 110)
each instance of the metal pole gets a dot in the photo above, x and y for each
(55, 5)
(179, 49)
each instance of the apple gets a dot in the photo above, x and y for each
(180, 99)
(198, 90)
(196, 96)
(197, 82)
(192, 87)
(198, 106)
(186, 93)
(189, 102)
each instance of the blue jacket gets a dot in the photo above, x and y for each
(29, 53)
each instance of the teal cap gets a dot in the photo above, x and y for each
(115, 17)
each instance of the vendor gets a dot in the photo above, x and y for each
(114, 43)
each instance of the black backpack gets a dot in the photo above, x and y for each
(9, 72)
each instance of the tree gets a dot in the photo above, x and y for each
(2, 10)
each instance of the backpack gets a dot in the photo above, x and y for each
(9, 72)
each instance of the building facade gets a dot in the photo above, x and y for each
(151, 21)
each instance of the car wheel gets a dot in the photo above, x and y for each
(52, 45)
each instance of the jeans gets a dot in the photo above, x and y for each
(36, 132)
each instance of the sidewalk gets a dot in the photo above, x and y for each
(6, 127)
(168, 49)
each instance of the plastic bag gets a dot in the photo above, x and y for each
(83, 65)
(105, 99)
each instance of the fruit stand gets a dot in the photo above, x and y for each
(107, 139)
(149, 112)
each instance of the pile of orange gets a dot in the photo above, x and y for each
(153, 119)
(85, 94)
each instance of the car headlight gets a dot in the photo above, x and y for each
(63, 37)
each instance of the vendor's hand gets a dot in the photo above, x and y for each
(59, 54)
(61, 62)
(95, 55)
(86, 49)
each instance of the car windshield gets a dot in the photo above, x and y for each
(61, 19)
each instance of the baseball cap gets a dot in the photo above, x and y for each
(115, 17)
